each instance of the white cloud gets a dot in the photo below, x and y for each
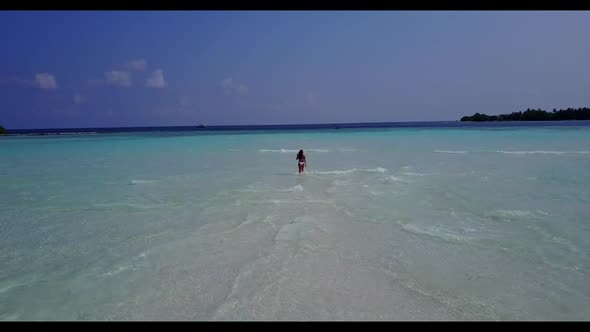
(183, 101)
(119, 78)
(79, 99)
(227, 83)
(242, 89)
(157, 80)
(45, 81)
(138, 64)
(229, 86)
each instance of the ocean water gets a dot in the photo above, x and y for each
(486, 223)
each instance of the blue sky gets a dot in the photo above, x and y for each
(95, 69)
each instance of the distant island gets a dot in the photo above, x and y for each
(2, 131)
(534, 115)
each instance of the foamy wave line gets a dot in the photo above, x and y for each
(293, 189)
(123, 205)
(16, 284)
(141, 181)
(392, 179)
(280, 201)
(118, 270)
(265, 188)
(413, 174)
(514, 213)
(349, 171)
(435, 232)
(519, 213)
(543, 152)
(292, 151)
(451, 151)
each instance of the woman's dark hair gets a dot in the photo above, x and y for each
(300, 155)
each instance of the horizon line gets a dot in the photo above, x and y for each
(234, 125)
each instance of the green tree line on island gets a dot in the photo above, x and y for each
(534, 115)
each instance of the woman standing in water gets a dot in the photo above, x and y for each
(302, 162)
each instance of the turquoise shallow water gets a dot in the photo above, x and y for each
(412, 224)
